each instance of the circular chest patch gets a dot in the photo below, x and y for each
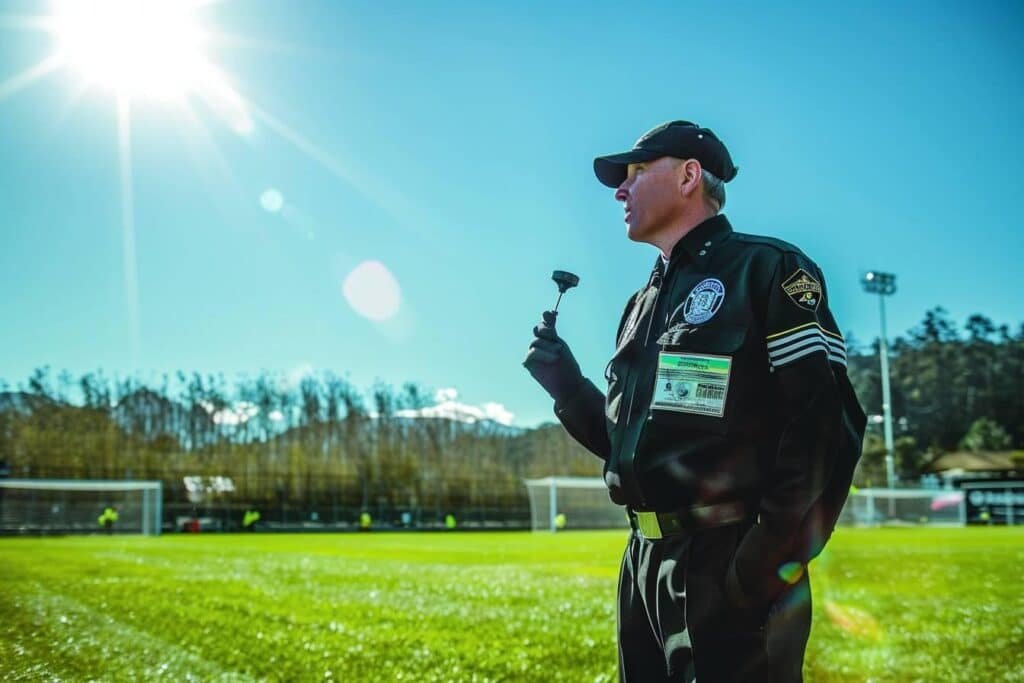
(703, 301)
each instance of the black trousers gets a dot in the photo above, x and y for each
(675, 623)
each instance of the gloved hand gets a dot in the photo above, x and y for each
(551, 362)
(762, 566)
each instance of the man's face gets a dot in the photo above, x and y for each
(651, 197)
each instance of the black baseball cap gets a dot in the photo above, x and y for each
(680, 139)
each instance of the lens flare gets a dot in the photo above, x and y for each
(854, 621)
(372, 291)
(271, 200)
(791, 572)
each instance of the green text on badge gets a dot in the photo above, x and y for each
(692, 383)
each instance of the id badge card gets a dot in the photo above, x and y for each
(692, 383)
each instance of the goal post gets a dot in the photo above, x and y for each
(72, 506)
(572, 503)
(583, 503)
(904, 507)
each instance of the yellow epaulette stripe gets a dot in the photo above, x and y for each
(800, 327)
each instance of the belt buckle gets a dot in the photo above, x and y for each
(647, 524)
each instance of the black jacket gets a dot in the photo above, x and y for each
(728, 384)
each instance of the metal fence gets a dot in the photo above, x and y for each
(338, 507)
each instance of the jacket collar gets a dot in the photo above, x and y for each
(702, 238)
(697, 244)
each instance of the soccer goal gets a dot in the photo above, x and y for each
(896, 507)
(582, 503)
(65, 506)
(572, 503)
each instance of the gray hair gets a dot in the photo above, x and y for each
(714, 189)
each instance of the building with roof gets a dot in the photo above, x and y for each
(959, 466)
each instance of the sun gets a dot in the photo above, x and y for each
(143, 49)
(159, 50)
(152, 49)
(133, 47)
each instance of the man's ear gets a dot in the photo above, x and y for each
(688, 177)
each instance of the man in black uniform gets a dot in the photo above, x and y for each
(729, 430)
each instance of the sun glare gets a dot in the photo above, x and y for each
(134, 47)
(372, 291)
(144, 49)
(157, 50)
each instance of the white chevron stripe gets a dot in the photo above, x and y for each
(811, 339)
(786, 349)
(795, 335)
(804, 328)
(779, 361)
(783, 360)
(776, 357)
(809, 332)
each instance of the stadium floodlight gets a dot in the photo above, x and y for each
(69, 506)
(884, 284)
(878, 282)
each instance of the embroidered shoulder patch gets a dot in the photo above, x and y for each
(803, 290)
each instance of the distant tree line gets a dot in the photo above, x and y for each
(321, 444)
(318, 444)
(952, 389)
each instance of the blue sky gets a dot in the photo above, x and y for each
(453, 141)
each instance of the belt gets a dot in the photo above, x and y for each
(655, 525)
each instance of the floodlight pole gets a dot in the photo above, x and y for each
(884, 284)
(886, 397)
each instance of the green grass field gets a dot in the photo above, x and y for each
(889, 605)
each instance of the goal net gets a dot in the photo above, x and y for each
(876, 507)
(58, 506)
(572, 503)
(582, 503)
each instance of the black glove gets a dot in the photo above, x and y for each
(761, 567)
(551, 362)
